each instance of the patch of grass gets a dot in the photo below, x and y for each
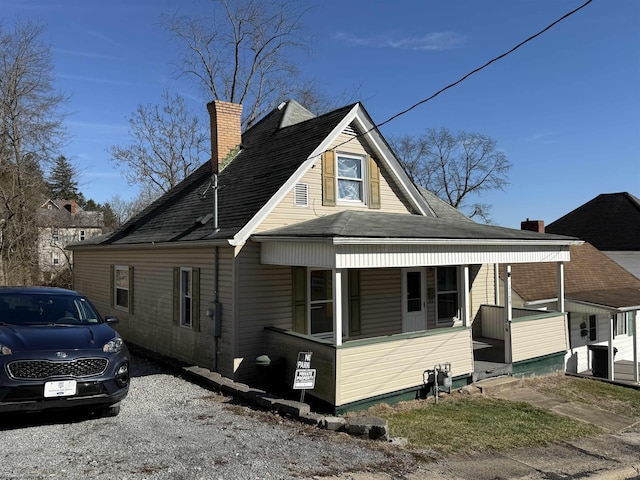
(479, 423)
(622, 401)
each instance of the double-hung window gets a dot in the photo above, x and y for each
(186, 297)
(121, 287)
(447, 293)
(350, 176)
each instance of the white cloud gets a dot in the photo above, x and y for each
(434, 41)
(84, 54)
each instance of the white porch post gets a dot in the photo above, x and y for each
(466, 313)
(337, 307)
(508, 353)
(561, 306)
(633, 320)
(610, 359)
(496, 282)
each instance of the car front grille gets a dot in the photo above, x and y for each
(43, 369)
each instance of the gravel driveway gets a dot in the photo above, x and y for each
(169, 428)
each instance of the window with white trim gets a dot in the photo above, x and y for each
(447, 293)
(619, 324)
(55, 258)
(350, 177)
(55, 235)
(321, 302)
(82, 235)
(186, 297)
(121, 287)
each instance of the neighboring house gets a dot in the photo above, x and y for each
(61, 222)
(601, 298)
(611, 223)
(313, 239)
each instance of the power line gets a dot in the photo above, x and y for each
(495, 59)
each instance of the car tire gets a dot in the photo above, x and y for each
(110, 411)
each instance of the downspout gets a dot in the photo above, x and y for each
(216, 293)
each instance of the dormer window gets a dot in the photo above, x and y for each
(350, 178)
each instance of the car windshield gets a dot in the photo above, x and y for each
(46, 309)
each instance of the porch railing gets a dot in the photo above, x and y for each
(366, 368)
(534, 333)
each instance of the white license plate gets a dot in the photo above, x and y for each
(60, 388)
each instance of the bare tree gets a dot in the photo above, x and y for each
(454, 166)
(243, 51)
(31, 131)
(167, 144)
(123, 209)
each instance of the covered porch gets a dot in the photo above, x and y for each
(370, 303)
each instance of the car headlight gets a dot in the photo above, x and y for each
(4, 350)
(113, 346)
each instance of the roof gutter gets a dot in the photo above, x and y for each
(146, 246)
(412, 241)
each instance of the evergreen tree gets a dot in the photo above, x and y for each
(61, 182)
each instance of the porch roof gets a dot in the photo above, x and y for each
(357, 239)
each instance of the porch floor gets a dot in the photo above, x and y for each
(488, 359)
(622, 373)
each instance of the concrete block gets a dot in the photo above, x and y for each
(373, 428)
(334, 423)
(266, 401)
(312, 418)
(291, 407)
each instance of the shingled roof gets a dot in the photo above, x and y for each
(589, 277)
(610, 222)
(58, 213)
(361, 224)
(270, 153)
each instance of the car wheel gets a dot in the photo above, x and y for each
(110, 411)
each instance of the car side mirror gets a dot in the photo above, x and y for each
(111, 320)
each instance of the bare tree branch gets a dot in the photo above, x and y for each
(31, 132)
(454, 166)
(243, 52)
(167, 144)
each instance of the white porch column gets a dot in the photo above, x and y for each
(466, 313)
(337, 307)
(561, 306)
(508, 352)
(610, 359)
(633, 320)
(496, 283)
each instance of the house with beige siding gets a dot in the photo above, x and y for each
(304, 234)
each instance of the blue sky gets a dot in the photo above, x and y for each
(565, 108)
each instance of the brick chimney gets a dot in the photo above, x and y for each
(226, 133)
(532, 225)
